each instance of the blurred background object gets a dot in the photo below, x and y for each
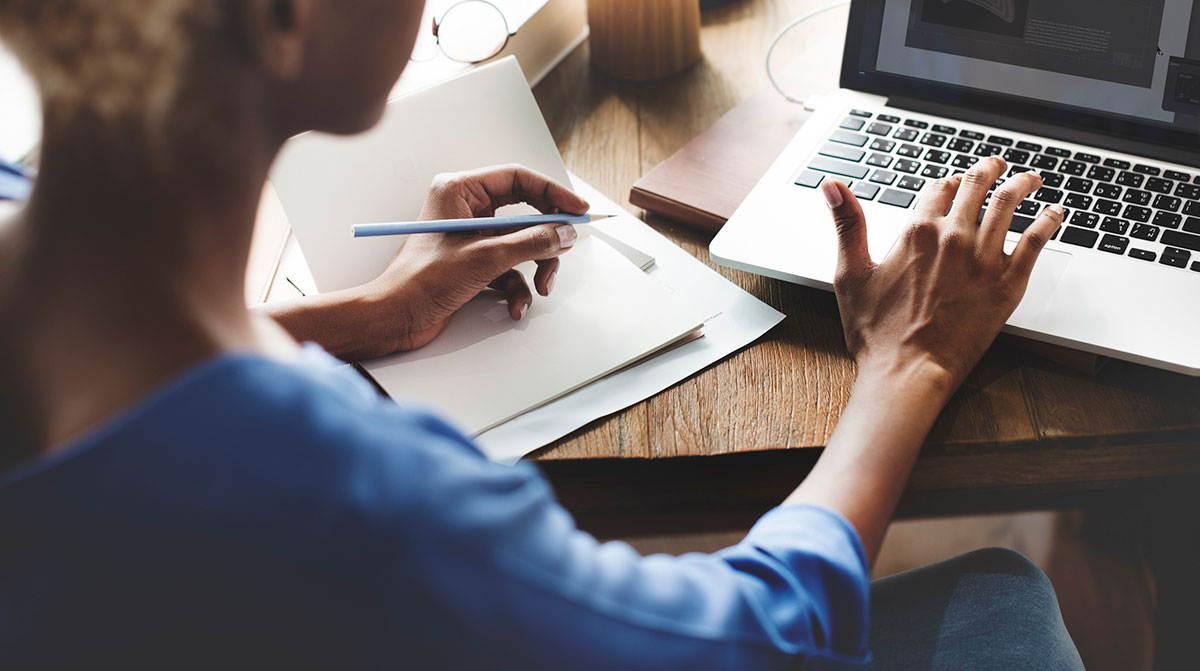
(640, 41)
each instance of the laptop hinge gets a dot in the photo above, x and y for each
(1125, 145)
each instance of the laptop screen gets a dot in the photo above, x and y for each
(1126, 67)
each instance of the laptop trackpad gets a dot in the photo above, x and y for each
(1047, 272)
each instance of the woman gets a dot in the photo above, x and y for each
(185, 486)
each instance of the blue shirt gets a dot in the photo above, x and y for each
(268, 515)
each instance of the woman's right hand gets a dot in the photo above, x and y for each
(941, 297)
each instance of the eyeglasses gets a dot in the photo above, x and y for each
(471, 31)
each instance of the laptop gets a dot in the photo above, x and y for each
(1102, 97)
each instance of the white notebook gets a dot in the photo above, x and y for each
(604, 314)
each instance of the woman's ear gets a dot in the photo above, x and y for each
(276, 32)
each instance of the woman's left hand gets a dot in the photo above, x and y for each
(435, 274)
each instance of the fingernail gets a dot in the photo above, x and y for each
(550, 281)
(522, 310)
(1057, 209)
(566, 236)
(833, 195)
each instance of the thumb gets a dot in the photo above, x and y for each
(853, 255)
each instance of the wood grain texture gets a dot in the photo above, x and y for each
(729, 442)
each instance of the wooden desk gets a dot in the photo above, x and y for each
(724, 446)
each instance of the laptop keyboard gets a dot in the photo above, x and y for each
(1112, 205)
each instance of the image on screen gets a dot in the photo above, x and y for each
(1128, 58)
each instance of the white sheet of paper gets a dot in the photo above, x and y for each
(485, 369)
(327, 183)
(733, 319)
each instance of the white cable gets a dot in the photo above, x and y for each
(779, 36)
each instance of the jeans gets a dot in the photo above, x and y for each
(988, 609)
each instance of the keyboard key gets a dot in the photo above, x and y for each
(1159, 185)
(934, 171)
(1168, 203)
(1136, 213)
(883, 177)
(942, 128)
(1028, 208)
(879, 160)
(1072, 167)
(883, 145)
(1143, 254)
(1052, 179)
(1016, 156)
(1078, 201)
(1113, 244)
(1111, 191)
(1172, 256)
(909, 150)
(1100, 173)
(1191, 225)
(1167, 219)
(1137, 197)
(1079, 236)
(960, 144)
(971, 135)
(897, 197)
(1179, 239)
(1019, 223)
(937, 156)
(1058, 151)
(911, 183)
(933, 140)
(1130, 179)
(906, 135)
(1192, 209)
(1177, 176)
(1029, 146)
(846, 137)
(1146, 169)
(1085, 219)
(1018, 169)
(1079, 185)
(862, 113)
(842, 151)
(916, 123)
(907, 165)
(1048, 195)
(1188, 191)
(1116, 163)
(1113, 225)
(836, 167)
(888, 118)
(1145, 232)
(1086, 158)
(852, 123)
(1196, 266)
(865, 190)
(1044, 162)
(877, 129)
(810, 179)
(964, 162)
(985, 150)
(1001, 140)
(1110, 207)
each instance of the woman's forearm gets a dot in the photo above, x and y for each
(863, 469)
(346, 323)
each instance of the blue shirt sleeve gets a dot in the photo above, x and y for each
(499, 558)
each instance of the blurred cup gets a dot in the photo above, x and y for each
(641, 40)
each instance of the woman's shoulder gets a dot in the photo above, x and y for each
(304, 425)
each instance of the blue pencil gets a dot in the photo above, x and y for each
(478, 224)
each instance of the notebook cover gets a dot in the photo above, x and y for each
(705, 181)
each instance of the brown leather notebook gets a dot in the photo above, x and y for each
(703, 183)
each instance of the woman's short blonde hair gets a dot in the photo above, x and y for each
(115, 59)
